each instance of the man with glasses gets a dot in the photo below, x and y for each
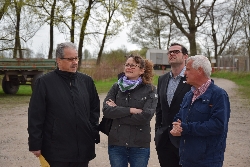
(171, 89)
(64, 112)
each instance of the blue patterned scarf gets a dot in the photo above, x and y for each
(125, 84)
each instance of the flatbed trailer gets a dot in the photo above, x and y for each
(23, 72)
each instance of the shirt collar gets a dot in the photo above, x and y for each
(181, 73)
(202, 88)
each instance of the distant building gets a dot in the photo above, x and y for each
(232, 63)
(159, 58)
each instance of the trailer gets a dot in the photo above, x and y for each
(23, 72)
(159, 58)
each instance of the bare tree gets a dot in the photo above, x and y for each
(151, 30)
(13, 33)
(28, 53)
(188, 16)
(245, 18)
(73, 18)
(4, 7)
(17, 26)
(87, 55)
(17, 48)
(68, 21)
(47, 11)
(124, 8)
(224, 24)
(51, 28)
(86, 16)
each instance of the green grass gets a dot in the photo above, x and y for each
(104, 85)
(155, 80)
(24, 92)
(22, 96)
(241, 79)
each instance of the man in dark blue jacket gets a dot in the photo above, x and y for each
(202, 121)
(64, 112)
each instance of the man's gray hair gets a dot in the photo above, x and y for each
(203, 62)
(60, 48)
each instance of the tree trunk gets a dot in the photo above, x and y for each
(82, 33)
(73, 15)
(101, 50)
(192, 42)
(51, 30)
(215, 46)
(248, 49)
(103, 42)
(248, 40)
(17, 47)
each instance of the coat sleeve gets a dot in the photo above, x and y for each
(158, 114)
(117, 111)
(94, 104)
(147, 113)
(36, 116)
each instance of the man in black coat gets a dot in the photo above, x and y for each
(64, 112)
(171, 89)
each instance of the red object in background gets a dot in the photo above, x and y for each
(163, 68)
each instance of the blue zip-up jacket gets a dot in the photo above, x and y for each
(205, 126)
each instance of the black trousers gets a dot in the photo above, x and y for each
(168, 154)
(68, 164)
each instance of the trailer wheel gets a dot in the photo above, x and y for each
(33, 81)
(9, 87)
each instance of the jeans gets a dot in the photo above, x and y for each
(120, 156)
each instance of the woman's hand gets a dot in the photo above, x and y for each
(111, 103)
(132, 110)
(135, 111)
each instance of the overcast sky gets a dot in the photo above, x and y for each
(40, 42)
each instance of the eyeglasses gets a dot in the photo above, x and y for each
(71, 59)
(174, 51)
(132, 66)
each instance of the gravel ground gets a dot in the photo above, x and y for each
(14, 149)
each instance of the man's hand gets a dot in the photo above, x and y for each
(36, 153)
(177, 129)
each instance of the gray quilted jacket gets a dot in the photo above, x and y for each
(131, 130)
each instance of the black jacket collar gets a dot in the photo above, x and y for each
(66, 75)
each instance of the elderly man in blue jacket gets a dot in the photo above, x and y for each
(202, 121)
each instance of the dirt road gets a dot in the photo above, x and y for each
(14, 149)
